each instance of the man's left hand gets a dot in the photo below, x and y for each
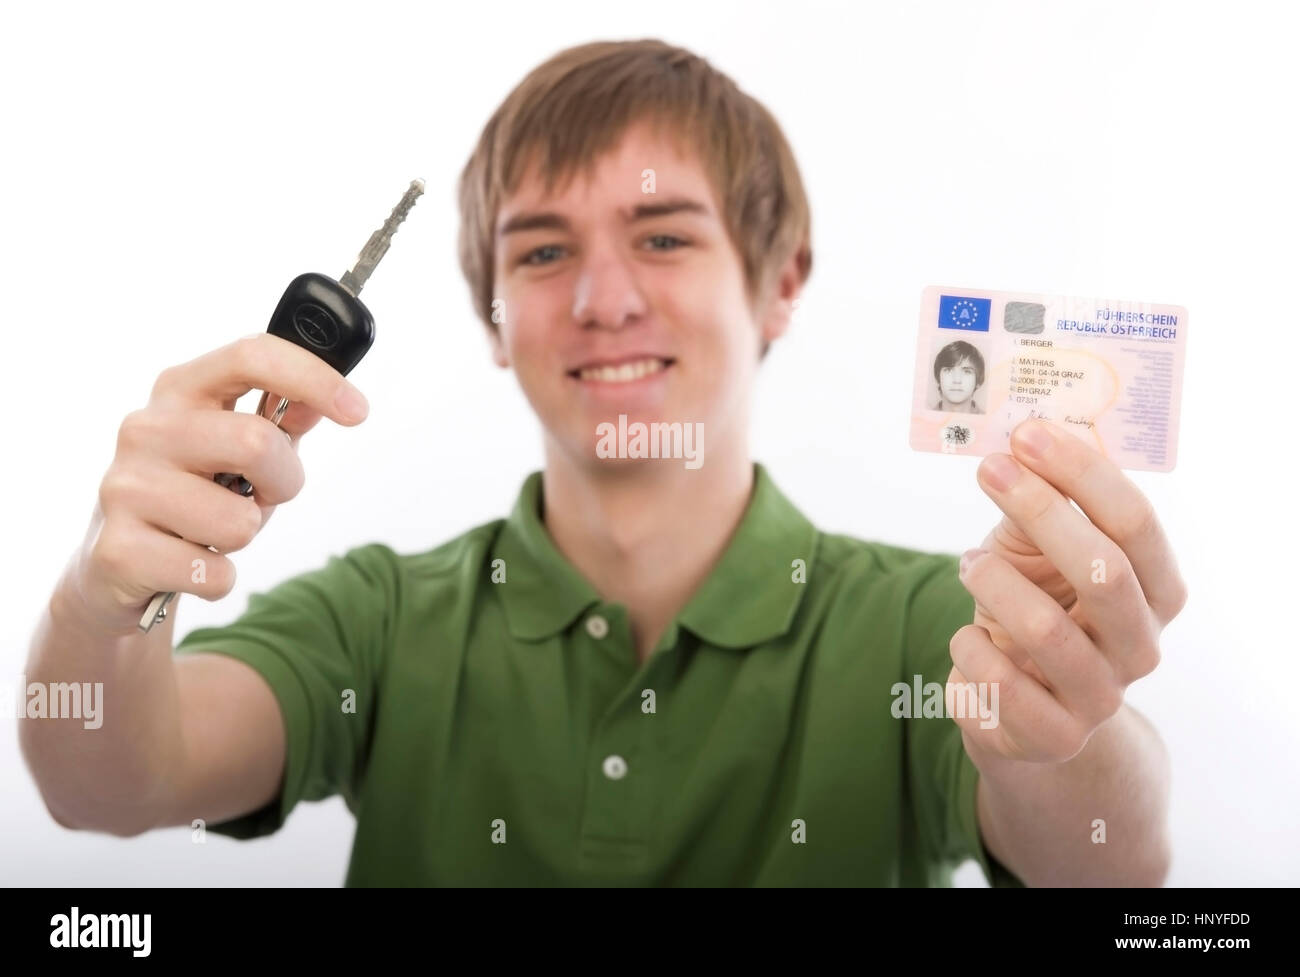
(1068, 611)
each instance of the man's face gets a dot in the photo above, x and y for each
(621, 301)
(957, 382)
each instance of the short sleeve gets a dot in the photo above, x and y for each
(942, 776)
(319, 640)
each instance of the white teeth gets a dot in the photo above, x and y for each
(624, 373)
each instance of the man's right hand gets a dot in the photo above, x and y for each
(159, 508)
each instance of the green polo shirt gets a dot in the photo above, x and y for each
(482, 712)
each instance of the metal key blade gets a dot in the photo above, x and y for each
(352, 281)
(377, 246)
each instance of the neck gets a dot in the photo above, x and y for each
(646, 533)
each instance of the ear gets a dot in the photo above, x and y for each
(499, 356)
(780, 306)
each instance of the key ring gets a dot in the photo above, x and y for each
(279, 409)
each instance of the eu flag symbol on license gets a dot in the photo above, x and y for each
(967, 314)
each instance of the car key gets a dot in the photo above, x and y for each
(326, 317)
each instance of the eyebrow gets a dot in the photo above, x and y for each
(549, 220)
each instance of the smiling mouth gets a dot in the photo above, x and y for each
(623, 372)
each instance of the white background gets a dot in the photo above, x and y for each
(167, 169)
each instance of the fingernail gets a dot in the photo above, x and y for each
(352, 404)
(1001, 471)
(967, 558)
(1034, 438)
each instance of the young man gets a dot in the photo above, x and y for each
(958, 374)
(650, 673)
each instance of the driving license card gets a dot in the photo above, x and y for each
(1109, 372)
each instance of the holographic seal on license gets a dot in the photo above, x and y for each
(1110, 372)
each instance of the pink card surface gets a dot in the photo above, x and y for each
(1110, 372)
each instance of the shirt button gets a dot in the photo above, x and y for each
(615, 767)
(597, 626)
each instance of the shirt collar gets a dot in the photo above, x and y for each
(749, 597)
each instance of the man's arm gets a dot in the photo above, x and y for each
(1070, 604)
(194, 737)
(235, 746)
(174, 737)
(1038, 819)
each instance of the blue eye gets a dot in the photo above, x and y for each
(536, 256)
(528, 258)
(665, 237)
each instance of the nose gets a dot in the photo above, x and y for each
(606, 295)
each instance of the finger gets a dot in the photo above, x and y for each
(210, 441)
(1031, 724)
(259, 362)
(1114, 504)
(187, 505)
(1074, 670)
(159, 563)
(1115, 607)
(297, 419)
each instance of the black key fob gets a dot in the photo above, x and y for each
(320, 315)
